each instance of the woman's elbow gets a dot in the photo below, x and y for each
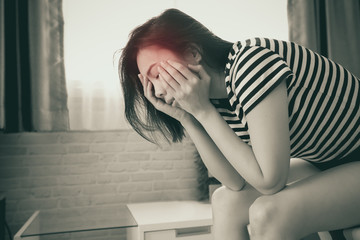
(236, 187)
(272, 181)
(272, 186)
(272, 190)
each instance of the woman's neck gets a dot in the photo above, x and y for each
(217, 84)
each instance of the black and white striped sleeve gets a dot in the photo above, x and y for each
(257, 71)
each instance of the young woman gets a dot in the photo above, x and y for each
(249, 107)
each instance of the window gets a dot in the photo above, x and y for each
(96, 29)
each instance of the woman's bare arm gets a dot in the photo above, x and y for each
(212, 157)
(214, 160)
(265, 165)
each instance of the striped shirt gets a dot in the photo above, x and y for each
(323, 97)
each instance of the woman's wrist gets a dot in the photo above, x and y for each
(202, 114)
(197, 117)
(187, 120)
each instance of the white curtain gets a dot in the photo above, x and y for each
(95, 105)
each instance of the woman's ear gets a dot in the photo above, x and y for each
(193, 54)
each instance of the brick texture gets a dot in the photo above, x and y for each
(78, 171)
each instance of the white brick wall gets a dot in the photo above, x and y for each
(89, 170)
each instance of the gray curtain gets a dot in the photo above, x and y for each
(49, 98)
(329, 27)
(34, 77)
(2, 66)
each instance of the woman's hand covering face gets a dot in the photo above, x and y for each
(170, 109)
(188, 85)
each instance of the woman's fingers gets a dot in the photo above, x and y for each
(141, 78)
(172, 110)
(148, 90)
(149, 94)
(171, 76)
(166, 85)
(145, 83)
(200, 70)
(181, 69)
(147, 86)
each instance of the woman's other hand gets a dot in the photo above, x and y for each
(173, 110)
(189, 85)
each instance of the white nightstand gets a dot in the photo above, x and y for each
(185, 220)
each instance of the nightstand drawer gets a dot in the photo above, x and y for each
(191, 233)
(174, 220)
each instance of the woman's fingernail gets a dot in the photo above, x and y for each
(140, 77)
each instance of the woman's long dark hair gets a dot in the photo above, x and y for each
(176, 31)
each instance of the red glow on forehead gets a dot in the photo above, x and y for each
(150, 57)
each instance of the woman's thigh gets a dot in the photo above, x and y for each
(231, 208)
(325, 201)
(231, 201)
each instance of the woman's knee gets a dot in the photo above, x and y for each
(229, 202)
(221, 200)
(231, 210)
(268, 216)
(224, 196)
(262, 211)
(217, 195)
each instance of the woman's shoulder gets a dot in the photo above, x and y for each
(273, 45)
(255, 50)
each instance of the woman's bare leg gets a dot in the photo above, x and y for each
(231, 208)
(325, 201)
(231, 212)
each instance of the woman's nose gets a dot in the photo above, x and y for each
(159, 91)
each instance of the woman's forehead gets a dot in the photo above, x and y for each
(149, 55)
(154, 51)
